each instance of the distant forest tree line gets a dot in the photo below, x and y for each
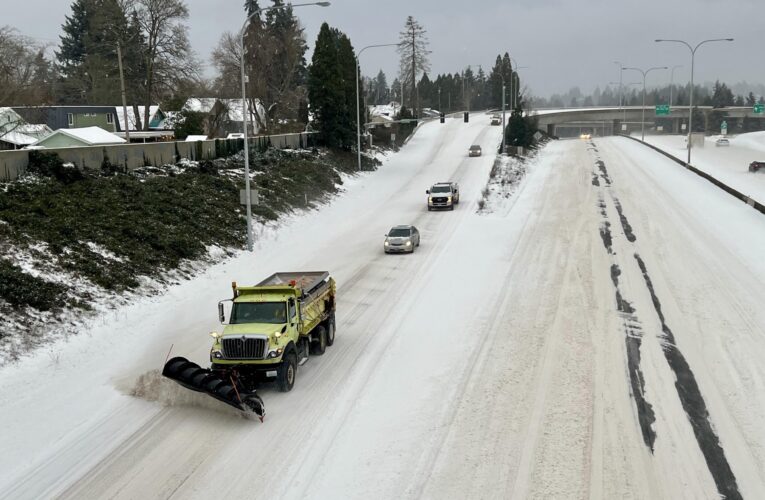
(717, 95)
(160, 67)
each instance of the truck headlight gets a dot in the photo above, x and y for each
(430, 201)
(386, 243)
(408, 243)
(449, 199)
(216, 354)
(274, 354)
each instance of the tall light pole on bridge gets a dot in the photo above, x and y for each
(621, 70)
(624, 109)
(242, 32)
(693, 57)
(672, 83)
(358, 111)
(644, 73)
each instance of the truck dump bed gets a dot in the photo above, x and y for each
(306, 281)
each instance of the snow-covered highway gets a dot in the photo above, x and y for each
(602, 338)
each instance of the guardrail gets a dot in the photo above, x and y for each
(733, 192)
(13, 164)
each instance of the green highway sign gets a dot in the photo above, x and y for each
(758, 108)
(662, 109)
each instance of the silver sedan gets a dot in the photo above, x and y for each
(401, 239)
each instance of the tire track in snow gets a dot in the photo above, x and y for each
(685, 382)
(632, 330)
(693, 403)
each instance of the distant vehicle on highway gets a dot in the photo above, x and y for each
(496, 120)
(475, 150)
(585, 136)
(756, 165)
(401, 239)
(722, 141)
(443, 195)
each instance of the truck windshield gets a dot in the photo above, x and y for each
(259, 312)
(441, 189)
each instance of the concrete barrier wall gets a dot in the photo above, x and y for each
(132, 156)
(733, 192)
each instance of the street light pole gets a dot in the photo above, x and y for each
(247, 197)
(358, 111)
(672, 83)
(644, 73)
(503, 115)
(621, 74)
(124, 98)
(690, 103)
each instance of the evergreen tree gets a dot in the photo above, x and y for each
(722, 96)
(328, 88)
(751, 100)
(380, 89)
(251, 6)
(347, 62)
(71, 53)
(520, 130)
(87, 55)
(425, 92)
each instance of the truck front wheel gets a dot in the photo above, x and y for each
(285, 376)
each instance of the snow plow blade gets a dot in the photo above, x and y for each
(220, 386)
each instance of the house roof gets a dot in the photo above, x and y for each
(131, 115)
(17, 138)
(91, 136)
(234, 107)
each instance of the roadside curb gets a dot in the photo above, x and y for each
(738, 194)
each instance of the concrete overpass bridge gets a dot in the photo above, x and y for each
(567, 122)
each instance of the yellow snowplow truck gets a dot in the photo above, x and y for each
(273, 327)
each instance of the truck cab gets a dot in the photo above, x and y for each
(443, 195)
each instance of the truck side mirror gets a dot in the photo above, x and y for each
(221, 313)
(427, 191)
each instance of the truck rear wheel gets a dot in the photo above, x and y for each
(285, 376)
(319, 345)
(331, 330)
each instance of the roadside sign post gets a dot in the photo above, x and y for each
(662, 109)
(253, 197)
(758, 109)
(724, 128)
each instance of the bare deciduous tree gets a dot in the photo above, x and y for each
(227, 59)
(275, 64)
(413, 51)
(24, 71)
(169, 58)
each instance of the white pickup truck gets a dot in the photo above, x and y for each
(443, 195)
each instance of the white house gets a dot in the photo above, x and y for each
(77, 137)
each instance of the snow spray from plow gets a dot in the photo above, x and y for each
(222, 387)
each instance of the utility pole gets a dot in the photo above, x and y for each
(124, 98)
(503, 116)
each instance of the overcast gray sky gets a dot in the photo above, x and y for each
(563, 42)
